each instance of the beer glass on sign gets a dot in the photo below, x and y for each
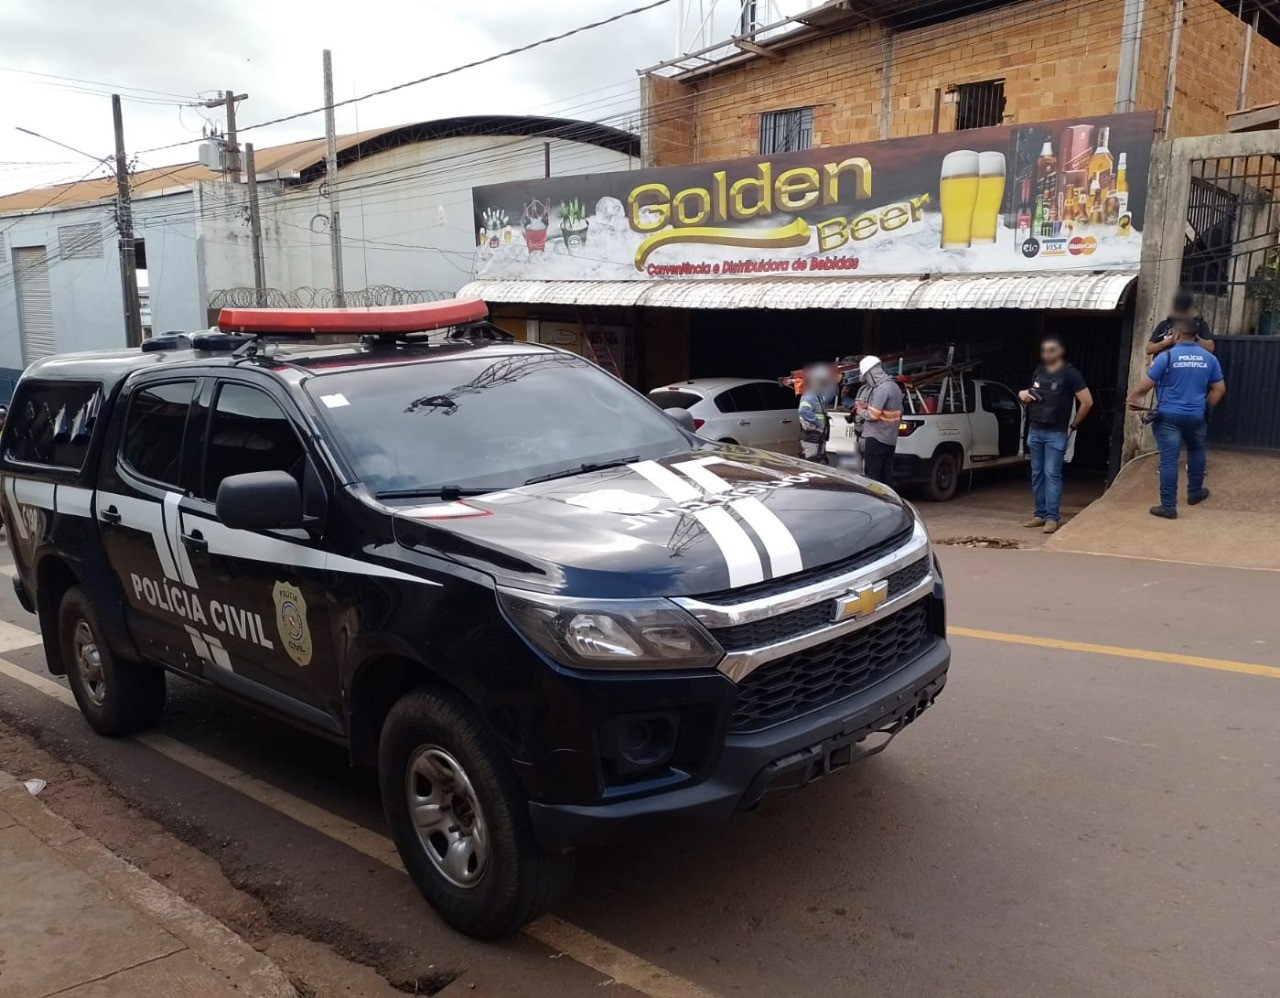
(958, 193)
(986, 212)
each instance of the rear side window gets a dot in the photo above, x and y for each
(249, 432)
(777, 397)
(670, 398)
(52, 424)
(154, 430)
(743, 398)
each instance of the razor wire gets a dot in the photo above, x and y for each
(308, 297)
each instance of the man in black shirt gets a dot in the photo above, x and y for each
(1055, 387)
(1162, 337)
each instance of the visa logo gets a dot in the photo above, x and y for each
(1053, 247)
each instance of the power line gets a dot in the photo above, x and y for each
(706, 98)
(475, 63)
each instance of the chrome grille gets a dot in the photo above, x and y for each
(816, 677)
(771, 630)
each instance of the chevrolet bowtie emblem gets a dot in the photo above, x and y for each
(860, 602)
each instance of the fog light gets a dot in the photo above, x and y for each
(639, 742)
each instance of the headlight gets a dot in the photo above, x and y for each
(612, 634)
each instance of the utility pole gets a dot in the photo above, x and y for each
(124, 223)
(228, 102)
(255, 228)
(331, 181)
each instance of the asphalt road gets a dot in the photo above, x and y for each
(1064, 822)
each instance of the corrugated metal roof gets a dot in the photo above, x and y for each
(307, 157)
(1056, 291)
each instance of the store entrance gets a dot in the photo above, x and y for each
(773, 343)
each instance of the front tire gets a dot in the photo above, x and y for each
(117, 697)
(461, 821)
(944, 477)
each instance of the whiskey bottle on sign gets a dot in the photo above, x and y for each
(1101, 165)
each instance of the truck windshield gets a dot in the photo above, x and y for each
(490, 422)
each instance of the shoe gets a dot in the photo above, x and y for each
(1051, 526)
(1194, 499)
(1035, 521)
(1167, 512)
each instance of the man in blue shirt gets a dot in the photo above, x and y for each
(1186, 378)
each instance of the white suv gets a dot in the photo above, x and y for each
(743, 411)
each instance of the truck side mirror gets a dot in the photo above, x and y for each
(260, 500)
(682, 417)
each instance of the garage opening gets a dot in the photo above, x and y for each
(771, 344)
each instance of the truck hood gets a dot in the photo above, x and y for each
(703, 522)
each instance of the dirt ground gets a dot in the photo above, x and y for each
(989, 510)
(1237, 527)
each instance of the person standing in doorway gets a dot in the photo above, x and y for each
(1188, 383)
(815, 422)
(1162, 337)
(878, 407)
(1056, 387)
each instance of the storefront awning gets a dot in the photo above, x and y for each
(1102, 292)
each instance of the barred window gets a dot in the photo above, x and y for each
(80, 242)
(980, 105)
(786, 131)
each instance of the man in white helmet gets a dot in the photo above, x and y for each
(878, 409)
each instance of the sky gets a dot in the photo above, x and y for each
(163, 54)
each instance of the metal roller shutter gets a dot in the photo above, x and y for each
(35, 303)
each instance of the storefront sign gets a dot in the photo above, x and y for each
(1057, 195)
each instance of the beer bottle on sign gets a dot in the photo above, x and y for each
(1122, 182)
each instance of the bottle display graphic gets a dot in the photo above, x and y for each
(1070, 183)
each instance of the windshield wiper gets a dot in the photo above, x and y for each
(583, 469)
(447, 492)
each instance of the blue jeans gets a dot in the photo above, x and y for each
(1047, 449)
(1171, 432)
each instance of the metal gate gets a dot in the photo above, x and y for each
(1230, 259)
(1250, 414)
(35, 303)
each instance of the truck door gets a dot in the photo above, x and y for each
(1003, 405)
(984, 431)
(140, 488)
(266, 632)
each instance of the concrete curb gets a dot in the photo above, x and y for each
(211, 942)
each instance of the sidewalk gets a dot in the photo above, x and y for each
(1237, 527)
(77, 921)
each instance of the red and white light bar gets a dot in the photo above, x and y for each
(352, 321)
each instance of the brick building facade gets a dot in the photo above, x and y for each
(1050, 58)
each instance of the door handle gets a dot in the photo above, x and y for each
(110, 515)
(744, 422)
(786, 422)
(195, 541)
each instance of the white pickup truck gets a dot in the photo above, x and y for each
(951, 423)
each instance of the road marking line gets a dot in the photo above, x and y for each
(605, 958)
(1220, 664)
(16, 636)
(583, 947)
(46, 686)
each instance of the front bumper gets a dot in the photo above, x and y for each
(751, 765)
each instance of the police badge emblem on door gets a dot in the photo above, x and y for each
(291, 621)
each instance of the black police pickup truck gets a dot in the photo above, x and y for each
(545, 610)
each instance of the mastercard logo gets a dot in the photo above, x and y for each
(1082, 246)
